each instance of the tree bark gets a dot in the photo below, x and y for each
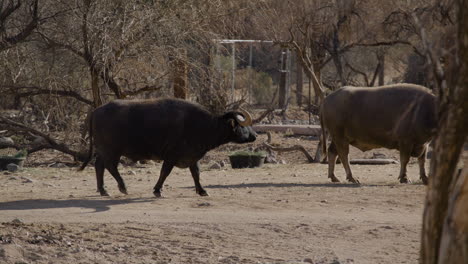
(97, 100)
(336, 56)
(381, 59)
(454, 241)
(445, 225)
(180, 78)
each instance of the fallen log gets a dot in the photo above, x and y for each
(288, 149)
(373, 161)
(307, 130)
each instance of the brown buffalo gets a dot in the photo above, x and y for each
(175, 131)
(400, 116)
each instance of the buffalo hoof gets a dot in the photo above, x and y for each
(123, 190)
(352, 180)
(203, 193)
(404, 180)
(157, 194)
(334, 178)
(424, 179)
(103, 193)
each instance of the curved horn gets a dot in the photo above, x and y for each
(247, 116)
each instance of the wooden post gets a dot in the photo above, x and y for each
(283, 80)
(233, 84)
(249, 92)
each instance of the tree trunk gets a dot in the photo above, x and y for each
(339, 68)
(97, 100)
(337, 57)
(445, 225)
(318, 74)
(381, 59)
(180, 71)
(448, 144)
(454, 241)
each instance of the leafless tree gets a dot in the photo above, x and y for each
(445, 233)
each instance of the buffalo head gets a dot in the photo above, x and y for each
(240, 125)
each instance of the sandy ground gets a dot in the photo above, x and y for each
(279, 213)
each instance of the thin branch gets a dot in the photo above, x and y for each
(9, 41)
(33, 91)
(147, 88)
(263, 115)
(366, 79)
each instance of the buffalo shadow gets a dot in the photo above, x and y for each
(97, 205)
(282, 185)
(317, 185)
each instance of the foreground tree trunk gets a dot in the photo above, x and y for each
(445, 224)
(454, 242)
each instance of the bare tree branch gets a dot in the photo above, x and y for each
(9, 41)
(49, 141)
(18, 91)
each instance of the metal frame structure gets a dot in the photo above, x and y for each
(233, 54)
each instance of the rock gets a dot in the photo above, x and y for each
(6, 141)
(132, 173)
(204, 204)
(215, 166)
(282, 162)
(12, 167)
(26, 180)
(308, 260)
(271, 158)
(58, 165)
(39, 141)
(16, 221)
(222, 163)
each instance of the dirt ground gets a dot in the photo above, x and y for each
(279, 213)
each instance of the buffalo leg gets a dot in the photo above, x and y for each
(195, 170)
(111, 166)
(332, 155)
(404, 159)
(422, 169)
(99, 167)
(165, 171)
(343, 151)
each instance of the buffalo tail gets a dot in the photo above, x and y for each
(324, 135)
(90, 153)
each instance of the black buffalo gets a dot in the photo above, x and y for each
(175, 131)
